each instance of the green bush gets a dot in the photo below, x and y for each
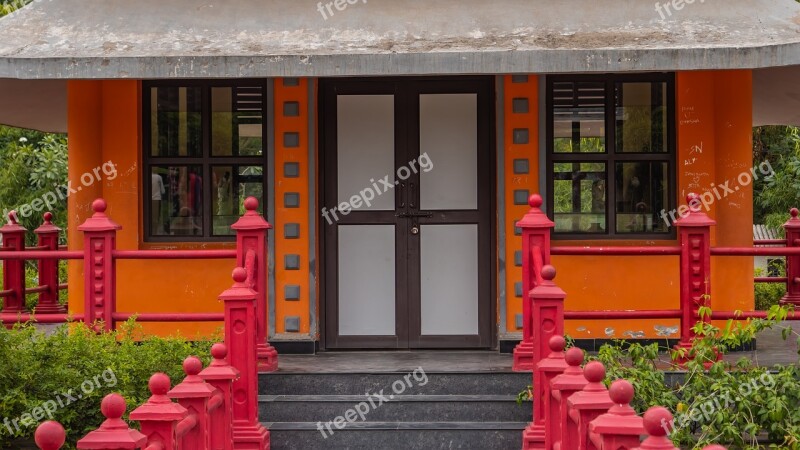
(768, 294)
(38, 367)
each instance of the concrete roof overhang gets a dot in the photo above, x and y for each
(143, 39)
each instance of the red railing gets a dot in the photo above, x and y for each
(99, 256)
(694, 253)
(212, 408)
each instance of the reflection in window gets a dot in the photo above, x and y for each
(641, 117)
(579, 124)
(175, 123)
(232, 185)
(641, 194)
(177, 201)
(236, 121)
(579, 192)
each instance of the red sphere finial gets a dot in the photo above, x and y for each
(99, 205)
(535, 201)
(219, 351)
(50, 435)
(621, 392)
(48, 217)
(12, 217)
(574, 356)
(557, 343)
(793, 212)
(239, 274)
(693, 201)
(657, 420)
(548, 272)
(159, 384)
(113, 406)
(594, 372)
(251, 203)
(192, 365)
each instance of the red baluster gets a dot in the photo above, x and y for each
(620, 427)
(657, 421)
(114, 433)
(48, 268)
(240, 338)
(221, 375)
(694, 230)
(195, 395)
(588, 404)
(159, 416)
(547, 316)
(99, 266)
(50, 435)
(251, 237)
(792, 228)
(563, 387)
(535, 248)
(535, 435)
(13, 270)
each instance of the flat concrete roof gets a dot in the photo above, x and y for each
(66, 39)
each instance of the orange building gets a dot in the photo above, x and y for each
(393, 152)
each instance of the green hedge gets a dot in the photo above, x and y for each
(38, 370)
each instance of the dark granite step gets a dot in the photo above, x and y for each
(410, 408)
(439, 383)
(398, 435)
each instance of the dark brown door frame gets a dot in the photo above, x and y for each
(406, 91)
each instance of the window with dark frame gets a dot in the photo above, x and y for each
(204, 152)
(610, 155)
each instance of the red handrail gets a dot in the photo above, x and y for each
(616, 251)
(174, 254)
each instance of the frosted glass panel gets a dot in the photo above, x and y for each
(366, 280)
(365, 137)
(449, 135)
(449, 274)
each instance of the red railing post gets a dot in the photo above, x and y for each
(113, 433)
(562, 388)
(535, 253)
(159, 416)
(694, 229)
(535, 434)
(47, 237)
(240, 338)
(13, 270)
(588, 404)
(251, 237)
(792, 229)
(195, 395)
(221, 375)
(620, 427)
(50, 435)
(99, 266)
(547, 316)
(657, 422)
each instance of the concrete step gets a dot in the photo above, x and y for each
(397, 435)
(391, 408)
(438, 383)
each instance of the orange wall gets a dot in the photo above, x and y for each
(103, 125)
(714, 121)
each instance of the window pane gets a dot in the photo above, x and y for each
(579, 124)
(579, 192)
(641, 195)
(177, 201)
(236, 121)
(175, 125)
(231, 186)
(641, 117)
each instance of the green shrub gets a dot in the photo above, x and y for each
(768, 294)
(37, 367)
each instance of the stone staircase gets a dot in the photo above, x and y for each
(403, 409)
